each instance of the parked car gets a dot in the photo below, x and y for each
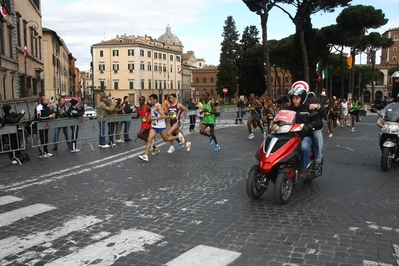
(90, 112)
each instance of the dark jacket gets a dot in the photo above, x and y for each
(192, 106)
(43, 112)
(74, 111)
(13, 118)
(317, 121)
(2, 122)
(61, 111)
(302, 113)
(128, 109)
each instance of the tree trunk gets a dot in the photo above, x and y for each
(264, 17)
(304, 51)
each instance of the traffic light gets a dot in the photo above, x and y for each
(349, 62)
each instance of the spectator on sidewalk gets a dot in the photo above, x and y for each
(43, 113)
(127, 110)
(13, 118)
(75, 111)
(114, 129)
(60, 111)
(192, 107)
(103, 107)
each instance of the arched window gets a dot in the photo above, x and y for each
(212, 80)
(196, 80)
(204, 80)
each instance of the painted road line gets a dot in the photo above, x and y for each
(14, 244)
(205, 255)
(64, 173)
(106, 252)
(18, 214)
(8, 199)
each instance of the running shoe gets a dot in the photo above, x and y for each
(104, 146)
(143, 157)
(253, 129)
(49, 154)
(210, 140)
(171, 149)
(43, 155)
(155, 151)
(180, 145)
(188, 145)
(181, 138)
(14, 161)
(251, 136)
(75, 150)
(353, 129)
(348, 124)
(217, 148)
(330, 136)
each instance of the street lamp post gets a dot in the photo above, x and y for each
(35, 27)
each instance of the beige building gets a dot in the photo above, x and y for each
(21, 76)
(138, 65)
(59, 73)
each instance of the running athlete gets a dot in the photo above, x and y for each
(254, 107)
(174, 111)
(158, 126)
(144, 112)
(344, 109)
(165, 106)
(208, 109)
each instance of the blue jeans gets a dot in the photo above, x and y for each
(318, 145)
(111, 132)
(101, 138)
(126, 129)
(57, 135)
(306, 148)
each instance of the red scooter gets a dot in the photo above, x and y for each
(279, 159)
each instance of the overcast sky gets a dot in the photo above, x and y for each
(198, 24)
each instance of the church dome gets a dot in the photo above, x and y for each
(169, 37)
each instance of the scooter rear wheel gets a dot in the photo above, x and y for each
(255, 183)
(283, 188)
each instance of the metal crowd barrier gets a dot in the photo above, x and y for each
(134, 127)
(50, 125)
(10, 133)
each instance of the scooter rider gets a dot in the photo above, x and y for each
(317, 122)
(298, 97)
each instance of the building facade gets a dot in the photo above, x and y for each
(133, 66)
(21, 51)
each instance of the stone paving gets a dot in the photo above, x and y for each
(176, 203)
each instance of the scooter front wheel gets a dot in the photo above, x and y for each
(256, 185)
(283, 188)
(386, 159)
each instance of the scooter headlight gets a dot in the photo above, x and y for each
(391, 128)
(283, 129)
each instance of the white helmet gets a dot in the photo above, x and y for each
(302, 84)
(299, 91)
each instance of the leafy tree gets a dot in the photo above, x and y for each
(227, 75)
(302, 21)
(355, 21)
(251, 70)
(262, 9)
(393, 70)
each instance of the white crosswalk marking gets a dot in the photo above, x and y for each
(205, 255)
(106, 252)
(8, 199)
(29, 211)
(13, 245)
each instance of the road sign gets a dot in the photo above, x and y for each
(225, 90)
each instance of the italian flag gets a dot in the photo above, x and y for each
(179, 69)
(26, 53)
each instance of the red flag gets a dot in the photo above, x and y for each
(3, 10)
(318, 78)
(26, 53)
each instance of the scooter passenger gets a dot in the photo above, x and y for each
(298, 97)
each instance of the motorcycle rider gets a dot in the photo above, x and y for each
(298, 96)
(317, 122)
